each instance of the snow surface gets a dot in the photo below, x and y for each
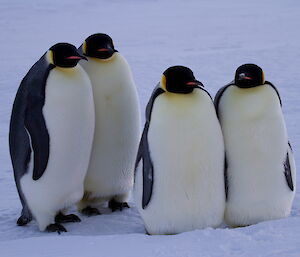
(212, 38)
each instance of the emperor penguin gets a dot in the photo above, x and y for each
(179, 181)
(117, 131)
(50, 138)
(260, 167)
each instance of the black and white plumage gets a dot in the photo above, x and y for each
(260, 168)
(179, 183)
(26, 109)
(144, 152)
(117, 126)
(51, 129)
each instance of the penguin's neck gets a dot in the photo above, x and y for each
(111, 59)
(67, 70)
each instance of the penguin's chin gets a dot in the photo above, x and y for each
(247, 84)
(68, 65)
(183, 91)
(104, 59)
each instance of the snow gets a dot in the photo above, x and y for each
(212, 38)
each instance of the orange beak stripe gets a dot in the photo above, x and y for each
(103, 50)
(73, 58)
(191, 83)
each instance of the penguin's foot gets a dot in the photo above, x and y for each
(90, 211)
(56, 227)
(114, 205)
(23, 220)
(61, 218)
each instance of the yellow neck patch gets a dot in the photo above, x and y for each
(163, 82)
(49, 57)
(84, 47)
(263, 78)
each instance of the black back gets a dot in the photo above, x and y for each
(27, 124)
(144, 152)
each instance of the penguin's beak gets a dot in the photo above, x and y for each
(194, 83)
(106, 49)
(103, 50)
(75, 57)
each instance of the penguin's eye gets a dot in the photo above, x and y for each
(244, 76)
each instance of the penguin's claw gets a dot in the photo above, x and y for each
(61, 218)
(114, 205)
(56, 227)
(23, 220)
(90, 211)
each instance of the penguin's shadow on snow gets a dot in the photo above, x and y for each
(119, 222)
(126, 221)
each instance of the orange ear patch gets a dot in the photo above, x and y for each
(84, 47)
(163, 82)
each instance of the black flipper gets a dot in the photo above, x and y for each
(19, 141)
(36, 127)
(34, 118)
(226, 179)
(287, 170)
(144, 153)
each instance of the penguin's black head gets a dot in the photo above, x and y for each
(64, 55)
(249, 75)
(99, 46)
(180, 80)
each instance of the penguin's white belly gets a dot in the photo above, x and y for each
(256, 146)
(187, 151)
(117, 130)
(70, 120)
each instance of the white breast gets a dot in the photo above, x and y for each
(256, 145)
(187, 151)
(70, 120)
(117, 129)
